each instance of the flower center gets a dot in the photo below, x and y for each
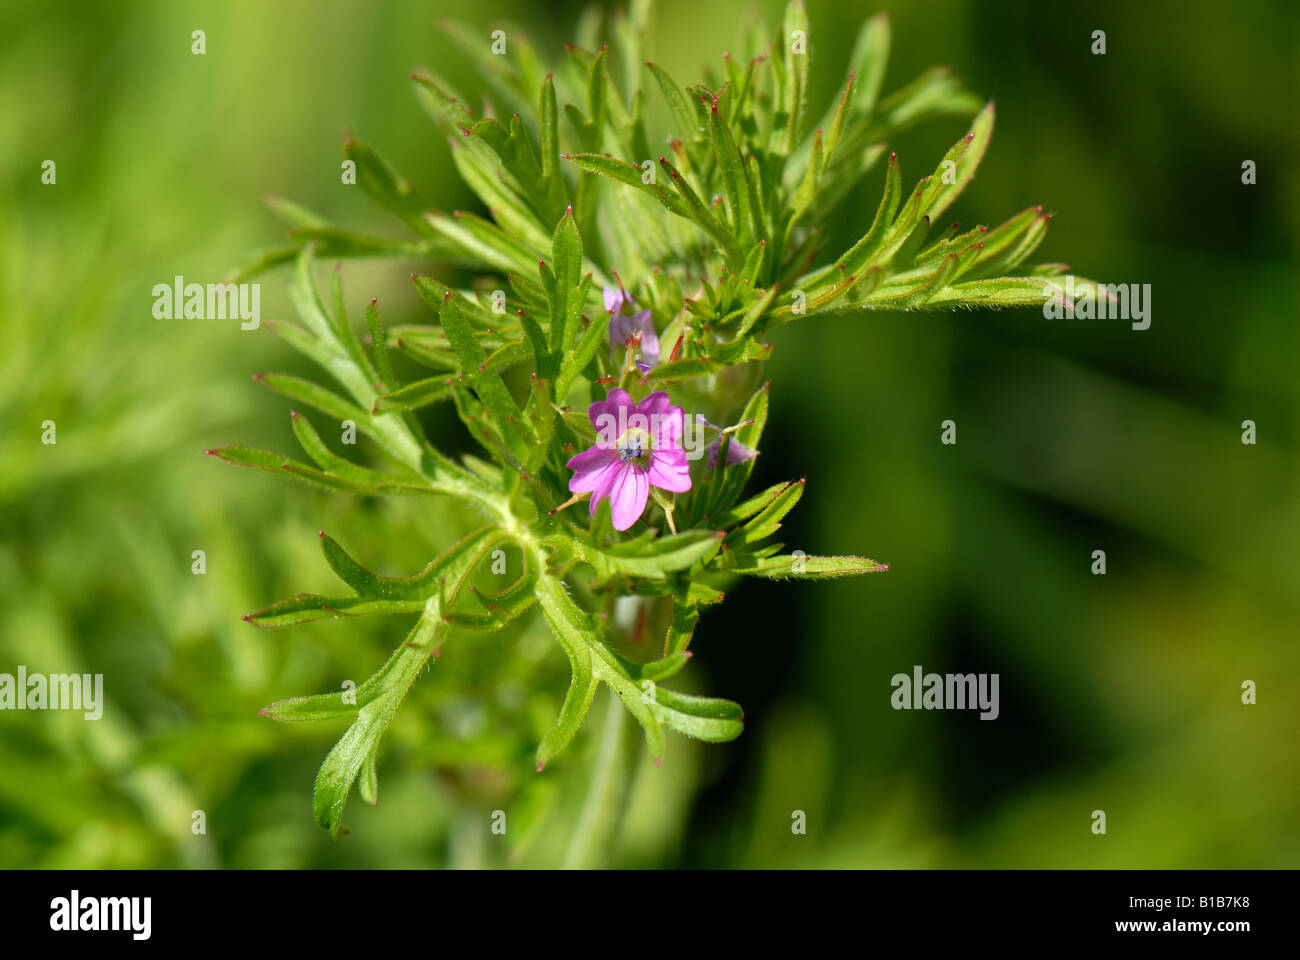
(634, 446)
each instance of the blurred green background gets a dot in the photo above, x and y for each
(1119, 693)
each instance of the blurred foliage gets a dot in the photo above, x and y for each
(1119, 692)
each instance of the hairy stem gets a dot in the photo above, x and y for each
(596, 825)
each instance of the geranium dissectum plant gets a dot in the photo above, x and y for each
(626, 306)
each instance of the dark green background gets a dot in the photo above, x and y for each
(1119, 693)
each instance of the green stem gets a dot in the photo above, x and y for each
(595, 823)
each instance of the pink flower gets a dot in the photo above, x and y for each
(637, 446)
(624, 325)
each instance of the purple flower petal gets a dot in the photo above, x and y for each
(617, 300)
(627, 490)
(609, 416)
(655, 403)
(591, 469)
(670, 470)
(666, 420)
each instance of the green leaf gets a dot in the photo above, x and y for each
(382, 695)
(336, 242)
(981, 132)
(797, 567)
(656, 670)
(481, 240)
(368, 780)
(590, 658)
(734, 180)
(419, 587)
(313, 395)
(675, 371)
(487, 384)
(998, 292)
(695, 210)
(680, 107)
(294, 214)
(858, 257)
(321, 706)
(429, 356)
(567, 301)
(593, 338)
(750, 507)
(335, 465)
(796, 23)
(704, 718)
(383, 184)
(379, 346)
(768, 520)
(421, 393)
(309, 607)
(577, 701)
(344, 762)
(735, 350)
(654, 559)
(549, 131)
(628, 173)
(268, 460)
